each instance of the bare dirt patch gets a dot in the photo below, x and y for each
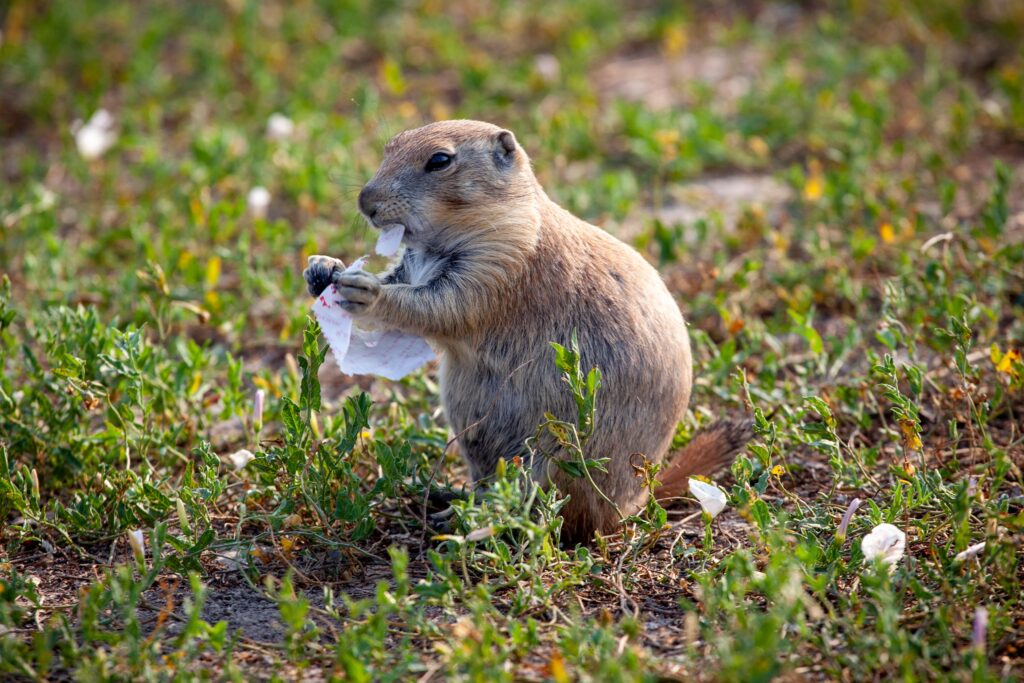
(723, 199)
(663, 82)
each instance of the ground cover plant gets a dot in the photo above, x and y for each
(191, 490)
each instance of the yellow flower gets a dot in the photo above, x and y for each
(439, 111)
(407, 110)
(668, 141)
(212, 271)
(1006, 364)
(887, 233)
(557, 668)
(758, 146)
(910, 438)
(674, 40)
(778, 470)
(1010, 74)
(779, 241)
(814, 187)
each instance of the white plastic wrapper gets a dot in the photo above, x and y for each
(391, 354)
(390, 239)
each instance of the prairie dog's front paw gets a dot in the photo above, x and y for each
(321, 271)
(358, 289)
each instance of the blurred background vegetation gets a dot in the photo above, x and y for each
(832, 190)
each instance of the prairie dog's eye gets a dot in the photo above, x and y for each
(438, 161)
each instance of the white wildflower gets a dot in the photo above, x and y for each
(480, 534)
(279, 127)
(973, 551)
(547, 68)
(231, 559)
(978, 632)
(94, 138)
(241, 458)
(257, 411)
(991, 106)
(885, 542)
(138, 543)
(844, 524)
(183, 519)
(258, 200)
(711, 498)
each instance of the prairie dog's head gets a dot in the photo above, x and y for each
(451, 179)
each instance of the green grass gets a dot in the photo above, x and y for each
(868, 322)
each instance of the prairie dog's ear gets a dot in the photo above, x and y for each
(505, 150)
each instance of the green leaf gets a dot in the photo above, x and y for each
(310, 362)
(295, 429)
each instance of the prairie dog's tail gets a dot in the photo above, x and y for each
(709, 451)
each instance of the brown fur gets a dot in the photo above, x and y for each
(711, 450)
(494, 270)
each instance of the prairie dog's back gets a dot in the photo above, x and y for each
(576, 277)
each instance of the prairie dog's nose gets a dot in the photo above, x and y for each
(369, 200)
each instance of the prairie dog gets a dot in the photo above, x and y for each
(493, 271)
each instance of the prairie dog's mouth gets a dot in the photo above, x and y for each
(415, 227)
(378, 223)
